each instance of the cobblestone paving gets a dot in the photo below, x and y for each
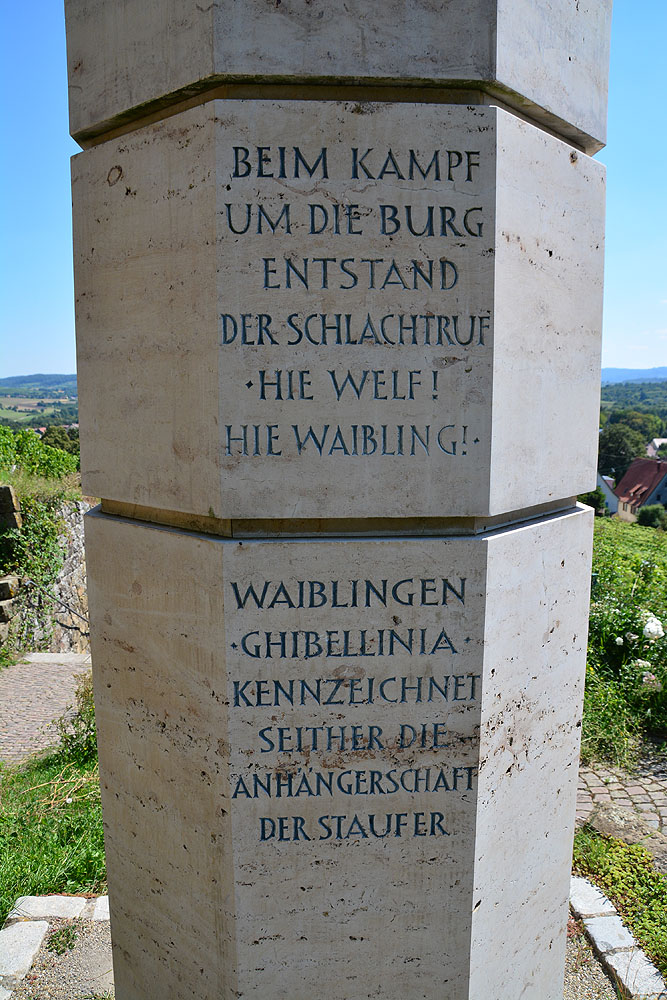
(32, 694)
(645, 791)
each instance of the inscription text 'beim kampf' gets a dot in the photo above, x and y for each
(357, 248)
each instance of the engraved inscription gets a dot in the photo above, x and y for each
(360, 319)
(354, 704)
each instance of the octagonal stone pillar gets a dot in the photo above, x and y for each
(343, 761)
(134, 59)
(338, 273)
(318, 303)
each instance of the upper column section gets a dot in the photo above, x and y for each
(129, 59)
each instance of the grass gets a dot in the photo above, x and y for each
(629, 545)
(51, 838)
(610, 732)
(23, 415)
(29, 486)
(626, 875)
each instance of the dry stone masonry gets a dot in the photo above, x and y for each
(10, 519)
(338, 276)
(65, 628)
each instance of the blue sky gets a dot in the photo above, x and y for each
(37, 318)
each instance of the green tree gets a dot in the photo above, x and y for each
(649, 425)
(57, 437)
(594, 499)
(653, 515)
(645, 397)
(619, 444)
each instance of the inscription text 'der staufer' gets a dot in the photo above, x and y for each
(353, 703)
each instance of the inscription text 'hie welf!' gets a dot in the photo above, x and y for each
(354, 251)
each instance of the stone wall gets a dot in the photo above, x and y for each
(10, 517)
(70, 618)
(21, 603)
(10, 509)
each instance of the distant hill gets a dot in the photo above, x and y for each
(647, 396)
(21, 383)
(38, 400)
(610, 375)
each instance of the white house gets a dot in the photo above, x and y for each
(606, 484)
(652, 448)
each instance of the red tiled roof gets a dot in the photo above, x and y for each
(643, 476)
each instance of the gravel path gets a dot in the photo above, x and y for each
(83, 972)
(585, 978)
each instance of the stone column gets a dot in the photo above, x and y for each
(338, 277)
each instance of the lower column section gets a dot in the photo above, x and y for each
(341, 768)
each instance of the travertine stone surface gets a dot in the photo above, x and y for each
(131, 57)
(537, 586)
(425, 280)
(236, 682)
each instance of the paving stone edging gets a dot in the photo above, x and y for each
(614, 944)
(26, 926)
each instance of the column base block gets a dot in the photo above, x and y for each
(339, 766)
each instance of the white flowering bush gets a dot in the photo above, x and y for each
(627, 645)
(653, 628)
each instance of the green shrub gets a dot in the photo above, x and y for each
(60, 437)
(78, 738)
(627, 646)
(24, 450)
(35, 553)
(7, 448)
(33, 550)
(653, 515)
